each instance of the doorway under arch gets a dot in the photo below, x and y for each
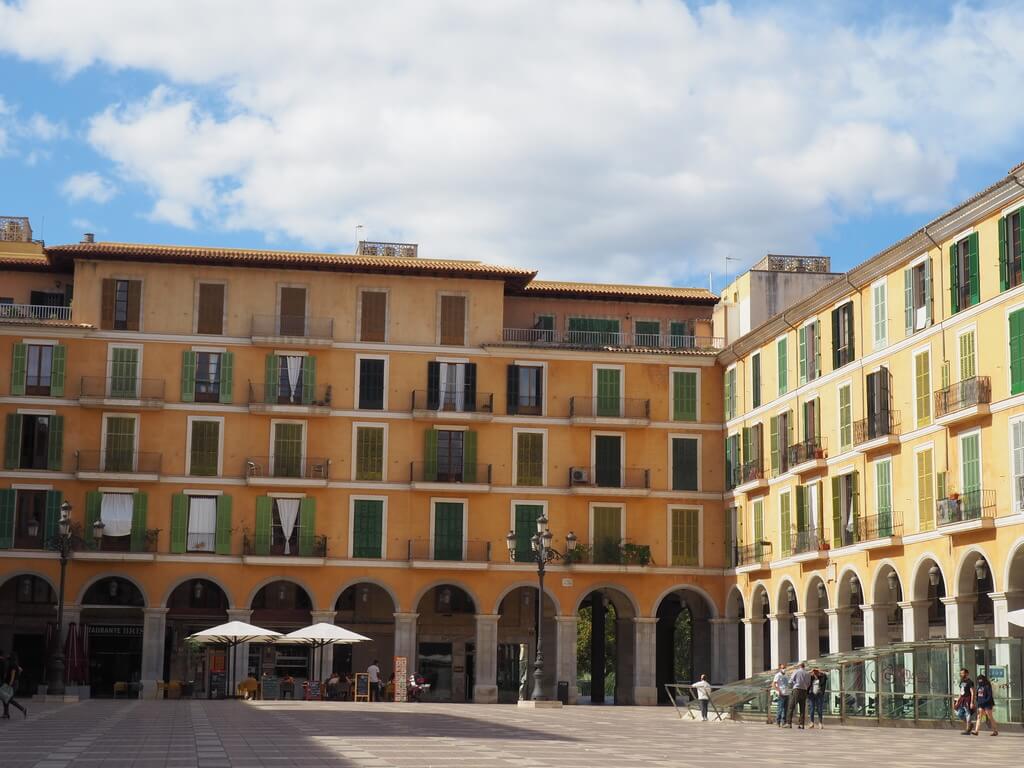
(195, 605)
(605, 647)
(446, 642)
(683, 647)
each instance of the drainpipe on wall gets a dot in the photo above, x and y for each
(942, 336)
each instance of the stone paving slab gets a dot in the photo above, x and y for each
(212, 734)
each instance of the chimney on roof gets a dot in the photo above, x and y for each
(88, 237)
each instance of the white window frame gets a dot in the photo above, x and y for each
(516, 431)
(387, 380)
(622, 519)
(273, 428)
(672, 392)
(434, 501)
(195, 308)
(882, 284)
(383, 524)
(110, 367)
(524, 503)
(671, 508)
(622, 453)
(359, 314)
(735, 393)
(103, 439)
(671, 465)
(1015, 491)
(220, 442)
(355, 443)
(142, 303)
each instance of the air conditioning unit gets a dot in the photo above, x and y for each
(580, 477)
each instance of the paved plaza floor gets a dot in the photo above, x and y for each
(208, 734)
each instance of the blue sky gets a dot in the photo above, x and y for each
(634, 141)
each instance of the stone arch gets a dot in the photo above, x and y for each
(627, 601)
(683, 637)
(965, 578)
(782, 595)
(528, 585)
(709, 602)
(813, 598)
(735, 605)
(445, 583)
(205, 577)
(123, 576)
(1014, 566)
(919, 575)
(758, 608)
(879, 588)
(29, 572)
(845, 594)
(290, 579)
(366, 580)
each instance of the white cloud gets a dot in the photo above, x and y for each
(89, 186)
(596, 139)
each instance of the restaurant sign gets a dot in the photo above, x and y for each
(116, 630)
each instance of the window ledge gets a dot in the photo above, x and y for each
(133, 477)
(420, 485)
(593, 490)
(287, 482)
(147, 404)
(424, 414)
(979, 411)
(608, 421)
(289, 560)
(295, 410)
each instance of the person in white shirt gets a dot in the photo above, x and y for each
(373, 671)
(703, 689)
(781, 686)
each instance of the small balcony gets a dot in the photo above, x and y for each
(141, 542)
(807, 546)
(884, 529)
(610, 481)
(753, 557)
(878, 432)
(432, 476)
(138, 466)
(274, 545)
(750, 478)
(34, 314)
(609, 552)
(452, 403)
(969, 511)
(622, 411)
(964, 401)
(317, 402)
(287, 471)
(440, 550)
(661, 342)
(121, 392)
(807, 456)
(292, 330)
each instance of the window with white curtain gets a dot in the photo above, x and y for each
(202, 523)
(116, 514)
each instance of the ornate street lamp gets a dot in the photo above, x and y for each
(542, 553)
(65, 542)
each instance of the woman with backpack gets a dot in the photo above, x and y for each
(816, 695)
(10, 686)
(986, 702)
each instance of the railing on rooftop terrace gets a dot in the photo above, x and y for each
(15, 229)
(794, 264)
(34, 312)
(539, 337)
(388, 250)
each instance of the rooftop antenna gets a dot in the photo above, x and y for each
(358, 227)
(728, 271)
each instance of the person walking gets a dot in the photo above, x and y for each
(965, 702)
(800, 683)
(703, 689)
(986, 702)
(12, 674)
(780, 684)
(373, 671)
(819, 683)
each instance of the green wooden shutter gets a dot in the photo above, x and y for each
(430, 455)
(227, 376)
(968, 368)
(783, 372)
(525, 527)
(448, 531)
(264, 525)
(124, 372)
(12, 443)
(774, 429)
(55, 444)
(1017, 352)
(271, 373)
(837, 515)
(512, 390)
(51, 521)
(845, 418)
(954, 280)
(19, 365)
(188, 376)
(307, 526)
(685, 537)
(222, 540)
(908, 300)
(685, 406)
(745, 442)
(728, 536)
(179, 523)
(855, 502)
(607, 534)
(608, 392)
(308, 379)
(802, 339)
(975, 267)
(883, 486)
(836, 322)
(7, 497)
(759, 528)
(1004, 272)
(801, 507)
(367, 528)
(784, 525)
(93, 505)
(928, 291)
(140, 503)
(755, 381)
(58, 369)
(469, 468)
(817, 348)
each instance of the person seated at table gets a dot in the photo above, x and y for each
(287, 686)
(389, 690)
(346, 687)
(248, 687)
(334, 687)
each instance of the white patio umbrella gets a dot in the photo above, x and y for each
(320, 635)
(231, 635)
(1016, 617)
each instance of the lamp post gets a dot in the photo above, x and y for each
(542, 553)
(65, 542)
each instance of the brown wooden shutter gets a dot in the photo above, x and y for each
(453, 320)
(373, 323)
(211, 308)
(107, 304)
(134, 304)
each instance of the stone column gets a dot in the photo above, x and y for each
(803, 642)
(241, 655)
(565, 656)
(725, 648)
(959, 616)
(754, 645)
(645, 684)
(915, 619)
(1002, 604)
(154, 629)
(485, 686)
(405, 638)
(839, 639)
(324, 657)
(876, 624)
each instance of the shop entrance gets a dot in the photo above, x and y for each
(112, 614)
(436, 666)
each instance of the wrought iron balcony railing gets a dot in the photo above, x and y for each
(749, 554)
(883, 525)
(807, 450)
(802, 542)
(438, 472)
(614, 339)
(292, 467)
(751, 471)
(881, 424)
(963, 507)
(963, 394)
(609, 552)
(451, 400)
(318, 396)
(609, 407)
(294, 326)
(122, 462)
(614, 477)
(270, 545)
(450, 549)
(122, 388)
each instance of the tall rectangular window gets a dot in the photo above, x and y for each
(453, 321)
(842, 335)
(810, 351)
(730, 393)
(119, 453)
(923, 388)
(968, 364)
(759, 541)
(883, 497)
(373, 314)
(1011, 250)
(121, 304)
(525, 391)
(124, 372)
(371, 383)
(291, 319)
(210, 312)
(451, 387)
(288, 449)
(647, 333)
(208, 376)
(609, 392)
(785, 524)
(879, 388)
(964, 273)
(593, 331)
(607, 534)
(204, 448)
(845, 418)
(755, 380)
(448, 530)
(608, 461)
(925, 491)
(33, 441)
(1016, 322)
(917, 302)
(781, 347)
(368, 528)
(369, 453)
(38, 368)
(880, 313)
(845, 508)
(525, 528)
(684, 463)
(1017, 437)
(529, 458)
(685, 536)
(684, 395)
(970, 464)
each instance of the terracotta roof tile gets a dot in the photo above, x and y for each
(612, 291)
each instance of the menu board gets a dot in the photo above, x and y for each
(362, 687)
(271, 688)
(401, 678)
(313, 690)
